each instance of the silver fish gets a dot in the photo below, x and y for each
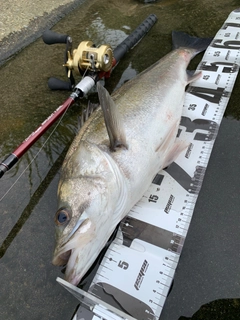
(117, 153)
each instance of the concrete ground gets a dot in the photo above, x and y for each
(22, 21)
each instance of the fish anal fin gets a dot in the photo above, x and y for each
(174, 152)
(191, 76)
(171, 147)
(112, 118)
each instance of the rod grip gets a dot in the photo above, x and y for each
(51, 37)
(134, 37)
(8, 163)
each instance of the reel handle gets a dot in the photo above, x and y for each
(51, 37)
(57, 84)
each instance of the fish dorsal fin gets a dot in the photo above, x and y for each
(112, 119)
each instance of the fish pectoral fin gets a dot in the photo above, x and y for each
(174, 152)
(112, 119)
(193, 76)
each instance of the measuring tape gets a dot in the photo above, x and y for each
(136, 273)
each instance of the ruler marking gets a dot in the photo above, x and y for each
(185, 229)
(106, 267)
(165, 285)
(111, 259)
(100, 275)
(187, 215)
(111, 249)
(159, 305)
(167, 275)
(152, 314)
(169, 266)
(159, 293)
(166, 279)
(172, 261)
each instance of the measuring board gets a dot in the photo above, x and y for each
(136, 273)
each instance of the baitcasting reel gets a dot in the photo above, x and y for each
(95, 62)
(87, 57)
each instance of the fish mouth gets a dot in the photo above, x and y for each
(62, 258)
(68, 253)
(68, 260)
(63, 251)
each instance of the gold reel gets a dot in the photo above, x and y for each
(86, 56)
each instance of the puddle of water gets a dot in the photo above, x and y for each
(27, 227)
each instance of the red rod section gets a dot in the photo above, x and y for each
(35, 135)
(119, 52)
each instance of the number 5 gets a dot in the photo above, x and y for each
(122, 264)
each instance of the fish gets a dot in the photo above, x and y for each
(119, 149)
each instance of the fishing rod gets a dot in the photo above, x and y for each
(90, 61)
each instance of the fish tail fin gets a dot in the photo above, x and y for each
(182, 39)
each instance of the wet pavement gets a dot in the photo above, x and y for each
(209, 264)
(21, 22)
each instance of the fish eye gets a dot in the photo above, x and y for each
(63, 215)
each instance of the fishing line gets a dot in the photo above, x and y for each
(85, 72)
(41, 148)
(46, 141)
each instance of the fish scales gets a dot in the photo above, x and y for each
(115, 156)
(142, 102)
